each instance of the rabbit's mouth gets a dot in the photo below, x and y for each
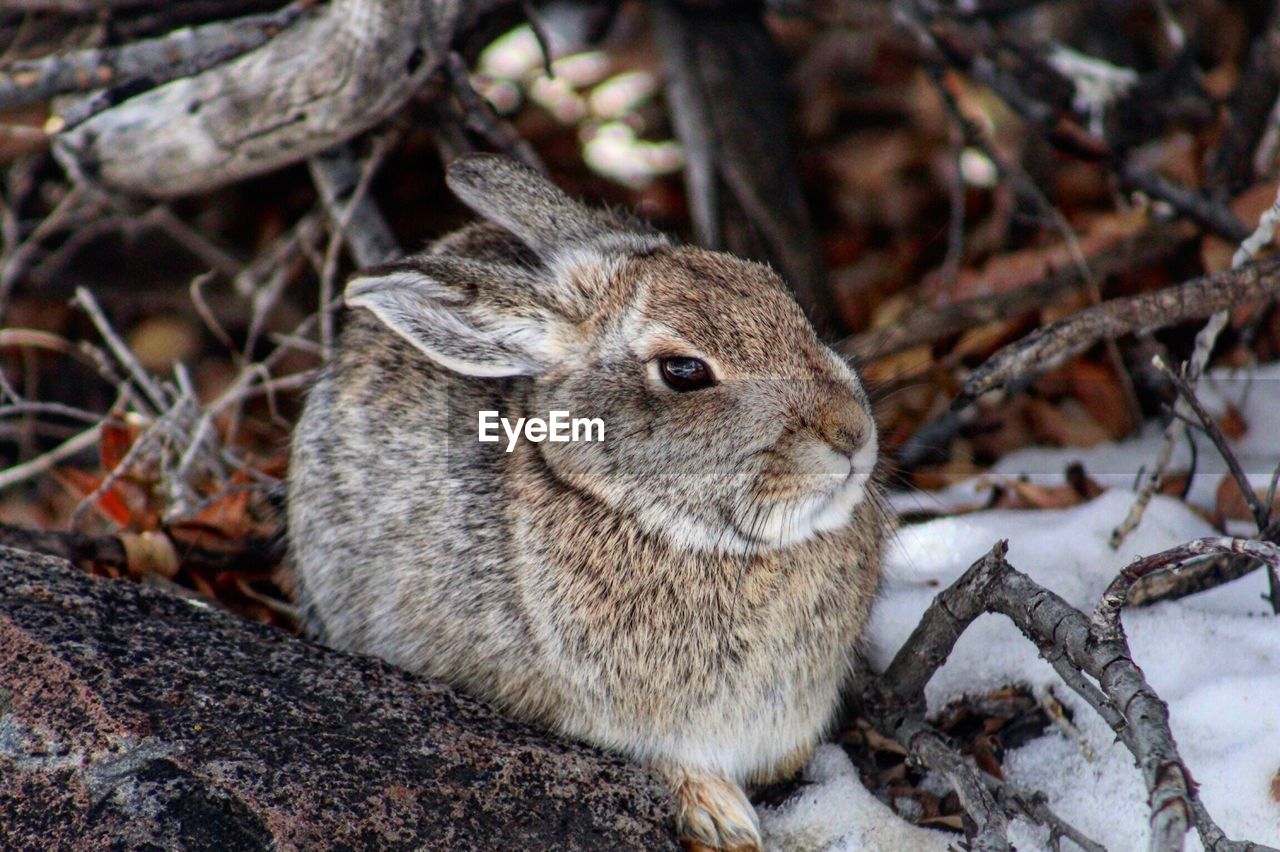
(791, 516)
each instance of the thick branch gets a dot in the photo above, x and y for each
(1057, 343)
(144, 64)
(929, 747)
(322, 81)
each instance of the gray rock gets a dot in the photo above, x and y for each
(134, 719)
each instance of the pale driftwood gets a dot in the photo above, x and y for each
(317, 84)
(155, 61)
(1101, 670)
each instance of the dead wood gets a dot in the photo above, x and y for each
(141, 65)
(1199, 576)
(1056, 343)
(1092, 653)
(323, 80)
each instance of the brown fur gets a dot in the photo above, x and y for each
(690, 591)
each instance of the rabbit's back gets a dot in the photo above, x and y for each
(399, 539)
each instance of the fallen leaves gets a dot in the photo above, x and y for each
(984, 727)
(1230, 503)
(227, 549)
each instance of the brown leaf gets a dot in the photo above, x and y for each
(114, 445)
(1215, 252)
(1100, 392)
(1016, 494)
(1230, 505)
(1084, 485)
(1010, 270)
(1232, 423)
(1066, 424)
(111, 504)
(987, 753)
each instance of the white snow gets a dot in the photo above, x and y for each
(1215, 657)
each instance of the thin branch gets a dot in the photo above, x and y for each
(1035, 808)
(44, 462)
(478, 115)
(352, 212)
(1105, 623)
(342, 217)
(1206, 340)
(1214, 431)
(153, 392)
(1055, 344)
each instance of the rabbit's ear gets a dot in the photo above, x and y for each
(528, 205)
(474, 318)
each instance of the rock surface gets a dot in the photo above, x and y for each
(134, 719)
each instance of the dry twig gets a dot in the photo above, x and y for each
(1055, 344)
(1121, 695)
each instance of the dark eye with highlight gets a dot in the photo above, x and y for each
(683, 374)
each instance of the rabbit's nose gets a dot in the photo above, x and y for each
(844, 431)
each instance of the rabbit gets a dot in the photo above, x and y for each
(690, 590)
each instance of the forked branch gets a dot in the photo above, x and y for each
(1095, 655)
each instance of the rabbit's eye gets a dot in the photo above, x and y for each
(685, 374)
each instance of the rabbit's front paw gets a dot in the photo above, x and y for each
(713, 812)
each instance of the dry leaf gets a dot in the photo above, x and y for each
(1014, 494)
(1230, 505)
(1100, 392)
(1011, 270)
(1066, 424)
(1232, 423)
(1215, 252)
(114, 445)
(111, 504)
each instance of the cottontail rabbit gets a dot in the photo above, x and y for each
(688, 591)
